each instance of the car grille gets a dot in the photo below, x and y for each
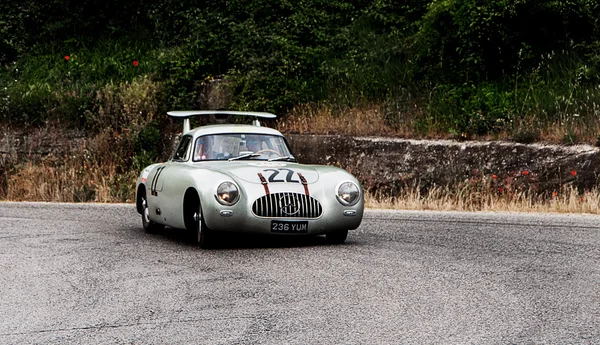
(287, 205)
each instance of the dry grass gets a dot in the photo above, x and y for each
(70, 182)
(322, 119)
(380, 120)
(94, 171)
(445, 199)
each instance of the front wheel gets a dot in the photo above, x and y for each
(337, 237)
(150, 226)
(201, 234)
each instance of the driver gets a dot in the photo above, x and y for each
(204, 148)
(253, 144)
(259, 144)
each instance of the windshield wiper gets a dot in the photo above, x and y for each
(247, 155)
(282, 158)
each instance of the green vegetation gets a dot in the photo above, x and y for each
(478, 67)
(525, 70)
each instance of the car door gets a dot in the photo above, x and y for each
(162, 204)
(170, 200)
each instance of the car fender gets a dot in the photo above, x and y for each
(141, 182)
(180, 179)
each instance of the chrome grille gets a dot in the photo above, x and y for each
(287, 205)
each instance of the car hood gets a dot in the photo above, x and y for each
(249, 171)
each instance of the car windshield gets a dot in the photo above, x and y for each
(236, 146)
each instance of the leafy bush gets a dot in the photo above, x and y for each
(63, 85)
(486, 40)
(477, 67)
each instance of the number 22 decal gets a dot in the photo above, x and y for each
(288, 178)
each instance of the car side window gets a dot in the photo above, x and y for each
(182, 152)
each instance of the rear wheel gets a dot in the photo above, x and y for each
(337, 237)
(150, 226)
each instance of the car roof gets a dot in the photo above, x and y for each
(232, 128)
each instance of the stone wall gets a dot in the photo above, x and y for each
(21, 144)
(383, 164)
(387, 164)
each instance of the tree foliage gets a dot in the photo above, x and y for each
(465, 55)
(475, 40)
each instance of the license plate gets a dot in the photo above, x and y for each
(289, 227)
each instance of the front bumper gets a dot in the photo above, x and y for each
(242, 219)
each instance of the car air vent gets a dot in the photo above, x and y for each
(287, 205)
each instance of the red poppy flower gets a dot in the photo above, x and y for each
(574, 173)
(554, 194)
(135, 63)
(67, 57)
(494, 176)
(580, 199)
(525, 172)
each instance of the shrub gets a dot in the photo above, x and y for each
(486, 40)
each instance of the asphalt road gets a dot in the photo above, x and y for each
(88, 274)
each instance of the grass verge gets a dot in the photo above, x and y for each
(414, 122)
(569, 200)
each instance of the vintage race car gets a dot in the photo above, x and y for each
(244, 178)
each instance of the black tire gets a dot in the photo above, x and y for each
(337, 237)
(201, 234)
(150, 226)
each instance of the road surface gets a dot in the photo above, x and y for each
(88, 274)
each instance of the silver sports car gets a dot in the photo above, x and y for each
(244, 178)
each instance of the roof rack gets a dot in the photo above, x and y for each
(186, 114)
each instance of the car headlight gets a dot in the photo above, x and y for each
(348, 194)
(227, 193)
